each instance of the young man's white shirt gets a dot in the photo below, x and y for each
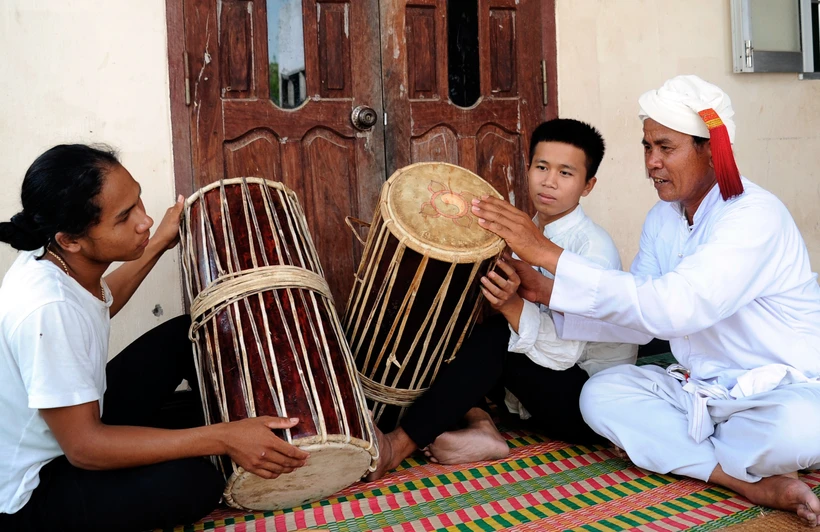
(53, 352)
(537, 337)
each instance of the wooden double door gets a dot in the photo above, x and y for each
(331, 96)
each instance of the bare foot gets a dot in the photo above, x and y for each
(780, 492)
(479, 441)
(393, 448)
(429, 455)
(620, 453)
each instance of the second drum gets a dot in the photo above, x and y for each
(417, 290)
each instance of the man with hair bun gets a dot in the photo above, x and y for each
(80, 443)
(722, 273)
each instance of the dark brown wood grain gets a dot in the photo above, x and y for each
(499, 159)
(502, 52)
(421, 52)
(256, 153)
(177, 75)
(205, 111)
(394, 55)
(334, 51)
(236, 48)
(466, 122)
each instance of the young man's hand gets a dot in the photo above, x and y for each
(516, 227)
(502, 294)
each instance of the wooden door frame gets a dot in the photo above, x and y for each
(181, 148)
(183, 163)
(549, 53)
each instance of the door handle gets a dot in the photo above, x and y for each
(363, 117)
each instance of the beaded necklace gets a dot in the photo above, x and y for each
(65, 268)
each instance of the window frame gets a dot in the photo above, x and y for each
(746, 59)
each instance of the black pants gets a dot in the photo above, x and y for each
(484, 364)
(141, 380)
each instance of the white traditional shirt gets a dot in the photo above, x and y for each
(537, 337)
(731, 293)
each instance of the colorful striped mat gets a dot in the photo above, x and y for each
(542, 485)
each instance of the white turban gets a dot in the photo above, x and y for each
(677, 103)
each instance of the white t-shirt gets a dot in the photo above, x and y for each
(53, 351)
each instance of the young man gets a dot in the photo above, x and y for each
(519, 349)
(724, 274)
(77, 447)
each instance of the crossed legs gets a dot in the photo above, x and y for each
(758, 442)
(482, 364)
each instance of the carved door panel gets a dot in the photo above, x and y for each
(272, 85)
(463, 84)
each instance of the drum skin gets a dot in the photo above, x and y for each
(268, 340)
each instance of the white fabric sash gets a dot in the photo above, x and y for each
(753, 382)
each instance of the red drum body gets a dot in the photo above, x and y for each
(417, 290)
(268, 341)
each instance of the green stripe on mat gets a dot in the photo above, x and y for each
(486, 496)
(450, 505)
(474, 473)
(612, 523)
(643, 515)
(624, 521)
(719, 495)
(736, 518)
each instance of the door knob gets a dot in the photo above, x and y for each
(363, 117)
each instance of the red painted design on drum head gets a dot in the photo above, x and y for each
(448, 203)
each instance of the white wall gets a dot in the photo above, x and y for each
(610, 52)
(91, 71)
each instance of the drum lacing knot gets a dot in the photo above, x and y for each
(393, 360)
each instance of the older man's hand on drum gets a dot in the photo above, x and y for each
(518, 229)
(251, 444)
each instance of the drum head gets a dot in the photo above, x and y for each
(330, 468)
(427, 205)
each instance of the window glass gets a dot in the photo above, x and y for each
(286, 53)
(462, 52)
(775, 25)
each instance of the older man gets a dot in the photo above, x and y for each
(724, 274)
